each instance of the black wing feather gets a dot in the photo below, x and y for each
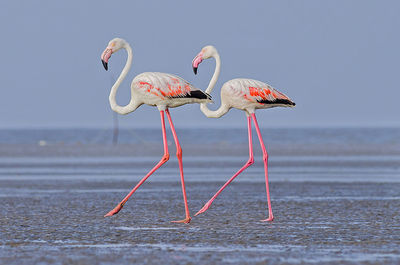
(195, 94)
(277, 101)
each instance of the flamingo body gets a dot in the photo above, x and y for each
(250, 94)
(165, 90)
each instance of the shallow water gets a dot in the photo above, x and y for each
(314, 222)
(335, 201)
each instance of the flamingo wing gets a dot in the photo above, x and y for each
(168, 86)
(259, 92)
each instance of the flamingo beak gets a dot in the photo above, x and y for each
(196, 61)
(105, 56)
(105, 65)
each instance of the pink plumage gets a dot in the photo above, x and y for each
(160, 88)
(257, 93)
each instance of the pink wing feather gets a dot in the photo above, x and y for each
(259, 92)
(167, 86)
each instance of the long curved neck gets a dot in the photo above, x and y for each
(215, 76)
(131, 106)
(203, 106)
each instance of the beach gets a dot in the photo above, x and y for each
(335, 197)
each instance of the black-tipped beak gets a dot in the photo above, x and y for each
(105, 65)
(195, 70)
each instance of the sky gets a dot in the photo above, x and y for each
(338, 60)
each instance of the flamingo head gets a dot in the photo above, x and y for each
(205, 53)
(113, 46)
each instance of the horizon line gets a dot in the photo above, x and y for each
(216, 127)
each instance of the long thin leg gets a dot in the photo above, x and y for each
(179, 156)
(265, 159)
(159, 164)
(248, 163)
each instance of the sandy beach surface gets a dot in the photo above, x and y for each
(335, 201)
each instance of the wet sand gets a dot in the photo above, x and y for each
(61, 222)
(335, 201)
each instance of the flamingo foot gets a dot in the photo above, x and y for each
(186, 220)
(115, 210)
(270, 219)
(205, 208)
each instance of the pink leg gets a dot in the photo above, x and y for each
(265, 159)
(179, 156)
(162, 161)
(248, 163)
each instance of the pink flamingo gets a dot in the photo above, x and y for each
(154, 89)
(247, 95)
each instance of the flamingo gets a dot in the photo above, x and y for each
(155, 89)
(247, 95)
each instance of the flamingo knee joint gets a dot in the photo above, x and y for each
(165, 158)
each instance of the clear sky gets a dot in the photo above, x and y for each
(338, 60)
